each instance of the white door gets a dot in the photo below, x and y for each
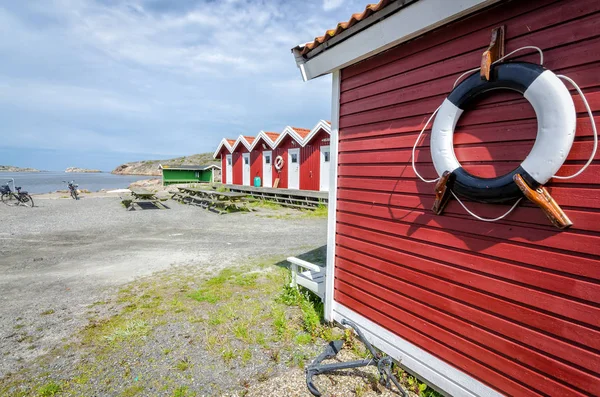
(246, 169)
(229, 170)
(293, 168)
(325, 158)
(267, 169)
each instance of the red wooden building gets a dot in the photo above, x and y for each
(474, 308)
(305, 154)
(262, 157)
(224, 153)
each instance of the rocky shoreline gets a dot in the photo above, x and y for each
(82, 170)
(10, 168)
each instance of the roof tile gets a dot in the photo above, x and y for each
(370, 9)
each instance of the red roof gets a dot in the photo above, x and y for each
(231, 142)
(342, 26)
(272, 135)
(249, 139)
(303, 132)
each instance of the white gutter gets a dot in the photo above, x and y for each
(409, 22)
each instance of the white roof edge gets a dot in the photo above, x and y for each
(221, 144)
(321, 125)
(241, 139)
(265, 137)
(411, 21)
(288, 131)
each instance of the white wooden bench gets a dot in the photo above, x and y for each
(312, 278)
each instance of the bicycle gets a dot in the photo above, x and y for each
(73, 189)
(11, 198)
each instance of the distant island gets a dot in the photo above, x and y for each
(81, 170)
(10, 168)
(150, 167)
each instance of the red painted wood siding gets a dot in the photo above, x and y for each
(255, 165)
(310, 161)
(513, 303)
(223, 167)
(282, 150)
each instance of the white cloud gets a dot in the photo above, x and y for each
(123, 75)
(329, 5)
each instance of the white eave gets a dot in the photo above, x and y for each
(408, 22)
(221, 144)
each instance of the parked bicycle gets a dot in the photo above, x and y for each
(15, 197)
(73, 189)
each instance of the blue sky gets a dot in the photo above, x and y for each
(94, 83)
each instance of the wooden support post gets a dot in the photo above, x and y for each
(494, 52)
(442, 192)
(542, 199)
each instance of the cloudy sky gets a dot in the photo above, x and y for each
(94, 83)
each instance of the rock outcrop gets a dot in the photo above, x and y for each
(81, 170)
(150, 167)
(10, 168)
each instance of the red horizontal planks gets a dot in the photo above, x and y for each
(391, 320)
(498, 300)
(514, 303)
(545, 37)
(566, 240)
(525, 215)
(585, 197)
(557, 331)
(416, 301)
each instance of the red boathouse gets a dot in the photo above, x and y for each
(474, 308)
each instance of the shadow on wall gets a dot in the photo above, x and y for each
(489, 161)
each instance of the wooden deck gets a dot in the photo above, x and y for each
(308, 199)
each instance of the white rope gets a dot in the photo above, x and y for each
(529, 47)
(585, 102)
(415, 148)
(474, 215)
(587, 106)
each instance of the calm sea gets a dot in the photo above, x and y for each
(45, 182)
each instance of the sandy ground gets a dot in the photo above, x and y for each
(63, 255)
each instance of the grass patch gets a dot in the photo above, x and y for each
(132, 329)
(47, 312)
(184, 364)
(49, 389)
(132, 391)
(321, 211)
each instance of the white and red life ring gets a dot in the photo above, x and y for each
(278, 163)
(556, 120)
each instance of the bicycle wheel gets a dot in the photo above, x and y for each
(9, 199)
(74, 194)
(27, 200)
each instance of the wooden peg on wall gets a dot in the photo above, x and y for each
(494, 52)
(542, 199)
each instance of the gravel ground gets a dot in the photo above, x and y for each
(63, 255)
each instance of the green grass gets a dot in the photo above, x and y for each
(129, 330)
(132, 391)
(49, 389)
(184, 364)
(47, 312)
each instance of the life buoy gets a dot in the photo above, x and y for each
(278, 163)
(556, 121)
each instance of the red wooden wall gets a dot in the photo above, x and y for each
(255, 165)
(238, 164)
(310, 161)
(513, 303)
(282, 150)
(224, 166)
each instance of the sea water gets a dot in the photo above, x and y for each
(46, 182)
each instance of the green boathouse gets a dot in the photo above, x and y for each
(190, 173)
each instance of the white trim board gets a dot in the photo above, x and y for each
(409, 22)
(332, 200)
(435, 372)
